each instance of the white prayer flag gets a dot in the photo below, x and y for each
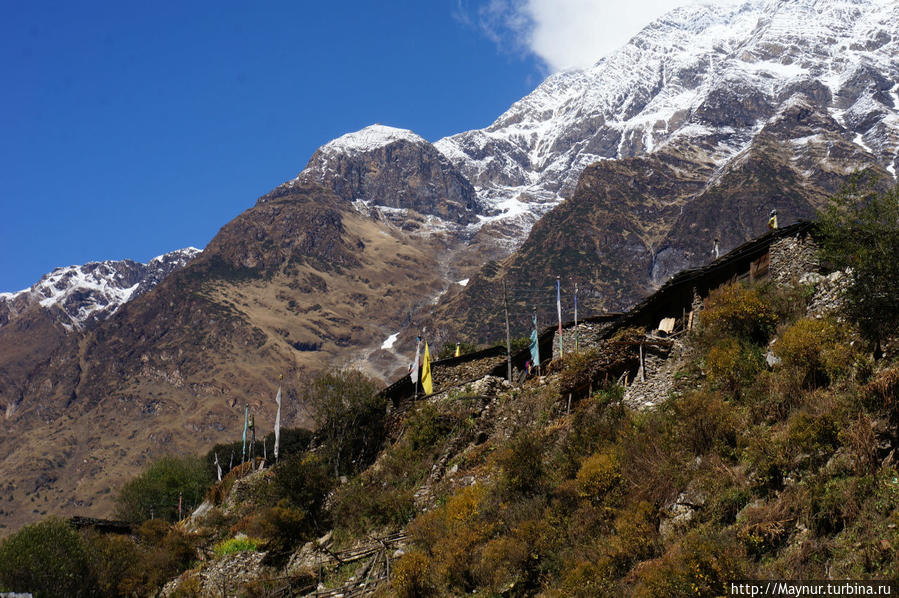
(278, 424)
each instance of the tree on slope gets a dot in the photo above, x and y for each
(860, 231)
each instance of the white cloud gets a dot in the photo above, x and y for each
(567, 33)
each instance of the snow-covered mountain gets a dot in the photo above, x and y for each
(93, 291)
(708, 74)
(706, 78)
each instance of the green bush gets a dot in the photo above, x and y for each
(233, 545)
(304, 480)
(349, 415)
(155, 492)
(427, 427)
(860, 230)
(48, 559)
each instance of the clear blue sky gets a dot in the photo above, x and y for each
(131, 129)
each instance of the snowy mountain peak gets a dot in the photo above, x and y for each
(95, 290)
(370, 138)
(702, 80)
(707, 75)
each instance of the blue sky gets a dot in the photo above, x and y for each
(132, 129)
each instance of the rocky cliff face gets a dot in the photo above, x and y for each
(37, 322)
(395, 169)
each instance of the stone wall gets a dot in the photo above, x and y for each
(589, 334)
(449, 376)
(829, 297)
(791, 257)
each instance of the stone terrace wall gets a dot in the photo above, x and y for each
(449, 376)
(791, 257)
(589, 334)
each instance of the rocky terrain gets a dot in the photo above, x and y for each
(37, 321)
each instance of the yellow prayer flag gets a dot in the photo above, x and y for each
(427, 383)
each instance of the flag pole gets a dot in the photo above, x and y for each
(575, 320)
(559, 311)
(508, 336)
(278, 418)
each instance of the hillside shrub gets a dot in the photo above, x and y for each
(882, 393)
(653, 460)
(426, 427)
(155, 491)
(114, 561)
(451, 534)
(305, 481)
(363, 505)
(737, 311)
(703, 421)
(764, 527)
(521, 464)
(410, 576)
(732, 365)
(811, 436)
(48, 558)
(814, 352)
(702, 564)
(165, 552)
(598, 475)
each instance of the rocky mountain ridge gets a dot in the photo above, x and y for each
(80, 295)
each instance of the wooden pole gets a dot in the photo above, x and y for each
(508, 335)
(642, 366)
(575, 320)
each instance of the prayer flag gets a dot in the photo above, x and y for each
(246, 416)
(415, 364)
(427, 384)
(559, 310)
(278, 423)
(535, 345)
